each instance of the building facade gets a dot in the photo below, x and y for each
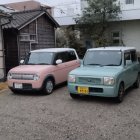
(29, 30)
(65, 12)
(126, 31)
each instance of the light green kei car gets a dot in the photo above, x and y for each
(105, 72)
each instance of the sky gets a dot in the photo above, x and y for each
(48, 2)
(61, 7)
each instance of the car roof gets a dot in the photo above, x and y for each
(53, 50)
(119, 48)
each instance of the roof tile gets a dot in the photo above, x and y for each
(23, 17)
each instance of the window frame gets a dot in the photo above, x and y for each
(131, 57)
(129, 2)
(116, 38)
(69, 59)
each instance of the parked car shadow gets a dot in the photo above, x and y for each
(38, 93)
(107, 100)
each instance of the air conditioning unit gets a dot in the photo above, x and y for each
(24, 37)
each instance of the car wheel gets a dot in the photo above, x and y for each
(137, 82)
(121, 93)
(74, 96)
(48, 87)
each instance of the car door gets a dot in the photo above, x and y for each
(60, 72)
(134, 65)
(128, 72)
(72, 61)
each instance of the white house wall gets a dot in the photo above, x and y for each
(130, 31)
(124, 6)
(129, 11)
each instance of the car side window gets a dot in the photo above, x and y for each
(127, 57)
(133, 56)
(62, 56)
(71, 55)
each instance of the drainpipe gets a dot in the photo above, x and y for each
(55, 37)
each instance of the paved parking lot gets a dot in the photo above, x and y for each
(58, 117)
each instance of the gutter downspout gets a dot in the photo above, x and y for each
(55, 37)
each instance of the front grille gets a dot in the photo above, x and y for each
(27, 86)
(20, 76)
(97, 90)
(89, 80)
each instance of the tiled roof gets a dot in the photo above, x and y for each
(20, 19)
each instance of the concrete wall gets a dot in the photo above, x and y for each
(130, 31)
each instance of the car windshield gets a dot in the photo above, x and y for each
(40, 58)
(103, 58)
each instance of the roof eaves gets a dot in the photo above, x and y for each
(31, 20)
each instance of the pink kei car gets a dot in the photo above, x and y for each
(43, 69)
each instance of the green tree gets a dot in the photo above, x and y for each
(69, 37)
(96, 18)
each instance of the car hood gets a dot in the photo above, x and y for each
(31, 68)
(98, 71)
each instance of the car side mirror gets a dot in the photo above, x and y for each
(21, 62)
(128, 62)
(59, 61)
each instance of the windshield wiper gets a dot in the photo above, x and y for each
(30, 64)
(111, 65)
(95, 64)
(42, 64)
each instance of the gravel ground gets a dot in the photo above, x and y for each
(58, 117)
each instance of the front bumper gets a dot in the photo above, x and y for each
(100, 90)
(27, 85)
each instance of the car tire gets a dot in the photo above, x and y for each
(48, 87)
(14, 91)
(121, 92)
(137, 82)
(74, 96)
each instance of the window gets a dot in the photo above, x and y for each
(103, 58)
(40, 58)
(71, 55)
(116, 38)
(133, 56)
(62, 56)
(129, 1)
(127, 56)
(65, 56)
(28, 37)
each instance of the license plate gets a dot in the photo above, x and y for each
(18, 86)
(83, 90)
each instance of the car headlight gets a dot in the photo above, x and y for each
(35, 77)
(109, 81)
(71, 78)
(9, 76)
